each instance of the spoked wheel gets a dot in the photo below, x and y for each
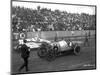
(50, 56)
(77, 50)
(42, 52)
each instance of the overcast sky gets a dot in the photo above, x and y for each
(61, 7)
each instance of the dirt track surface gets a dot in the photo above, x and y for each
(86, 60)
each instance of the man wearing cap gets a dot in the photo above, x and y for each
(24, 55)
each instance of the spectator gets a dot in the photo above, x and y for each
(43, 18)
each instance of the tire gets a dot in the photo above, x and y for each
(77, 50)
(42, 52)
(50, 56)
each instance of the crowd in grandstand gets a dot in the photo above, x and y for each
(44, 19)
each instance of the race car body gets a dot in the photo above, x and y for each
(62, 45)
(33, 43)
(50, 51)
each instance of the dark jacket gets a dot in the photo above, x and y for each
(24, 51)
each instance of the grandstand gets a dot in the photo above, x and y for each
(25, 19)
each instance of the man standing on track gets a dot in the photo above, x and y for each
(86, 42)
(89, 34)
(24, 55)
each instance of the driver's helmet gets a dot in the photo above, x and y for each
(70, 43)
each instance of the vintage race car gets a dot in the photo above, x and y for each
(33, 43)
(54, 49)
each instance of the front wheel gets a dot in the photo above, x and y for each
(42, 52)
(77, 50)
(51, 55)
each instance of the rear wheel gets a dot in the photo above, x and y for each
(77, 50)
